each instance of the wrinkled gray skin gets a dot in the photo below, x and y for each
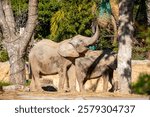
(94, 65)
(48, 57)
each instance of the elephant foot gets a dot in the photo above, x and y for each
(36, 90)
(116, 86)
(61, 91)
(32, 89)
(104, 91)
(83, 91)
(73, 91)
(40, 90)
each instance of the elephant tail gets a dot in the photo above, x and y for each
(28, 71)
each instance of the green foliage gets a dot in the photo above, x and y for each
(105, 41)
(2, 83)
(142, 86)
(3, 56)
(139, 53)
(143, 37)
(28, 82)
(142, 32)
(46, 8)
(20, 9)
(62, 19)
(57, 17)
(73, 17)
(19, 6)
(45, 12)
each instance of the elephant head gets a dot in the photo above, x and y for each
(78, 44)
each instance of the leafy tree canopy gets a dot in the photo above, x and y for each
(58, 19)
(73, 17)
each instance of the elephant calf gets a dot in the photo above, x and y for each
(94, 65)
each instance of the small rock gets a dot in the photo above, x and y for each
(13, 87)
(26, 89)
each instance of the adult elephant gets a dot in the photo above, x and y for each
(94, 65)
(48, 57)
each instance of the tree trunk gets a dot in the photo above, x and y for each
(125, 35)
(148, 11)
(15, 43)
(17, 64)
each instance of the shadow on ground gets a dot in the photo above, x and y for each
(49, 88)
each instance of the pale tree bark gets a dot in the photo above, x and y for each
(148, 11)
(125, 35)
(15, 43)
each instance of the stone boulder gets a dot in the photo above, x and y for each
(4, 71)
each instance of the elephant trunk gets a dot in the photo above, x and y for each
(93, 39)
(80, 42)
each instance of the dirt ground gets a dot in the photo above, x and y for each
(22, 95)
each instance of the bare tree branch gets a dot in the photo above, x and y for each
(3, 23)
(9, 15)
(31, 23)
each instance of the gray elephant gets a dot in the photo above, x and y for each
(48, 57)
(94, 65)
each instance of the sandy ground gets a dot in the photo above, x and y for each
(21, 95)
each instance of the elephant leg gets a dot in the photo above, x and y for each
(35, 85)
(62, 78)
(111, 80)
(64, 64)
(105, 81)
(32, 84)
(38, 85)
(81, 86)
(80, 74)
(72, 78)
(36, 81)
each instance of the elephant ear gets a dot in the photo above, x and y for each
(67, 50)
(81, 49)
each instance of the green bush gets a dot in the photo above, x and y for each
(142, 86)
(28, 82)
(2, 83)
(3, 56)
(143, 38)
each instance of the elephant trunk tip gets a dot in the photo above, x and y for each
(95, 37)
